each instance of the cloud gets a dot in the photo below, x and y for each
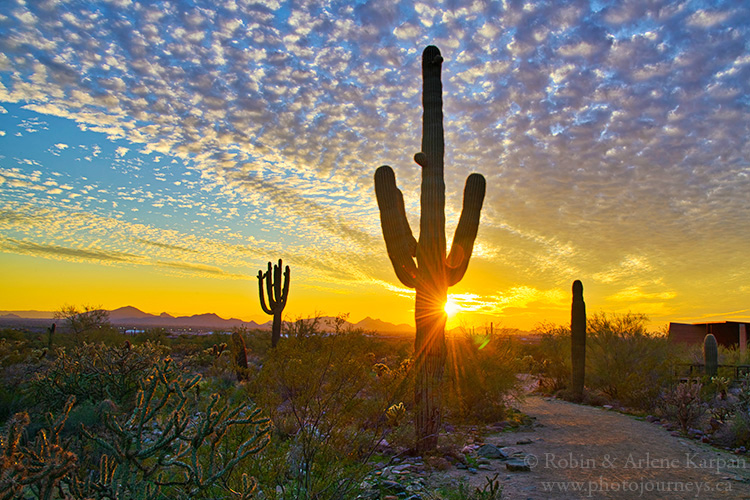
(79, 254)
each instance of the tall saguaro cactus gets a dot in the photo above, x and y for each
(433, 272)
(276, 296)
(578, 340)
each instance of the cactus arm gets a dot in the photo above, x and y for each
(277, 284)
(285, 293)
(466, 231)
(399, 241)
(269, 289)
(262, 298)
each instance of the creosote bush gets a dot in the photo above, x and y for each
(319, 390)
(481, 378)
(625, 362)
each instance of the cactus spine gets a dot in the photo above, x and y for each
(276, 296)
(578, 340)
(711, 355)
(432, 273)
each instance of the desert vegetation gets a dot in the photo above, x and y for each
(228, 416)
(699, 391)
(322, 414)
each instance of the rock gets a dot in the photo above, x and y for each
(524, 441)
(472, 470)
(607, 407)
(438, 463)
(491, 451)
(399, 469)
(500, 426)
(511, 452)
(391, 487)
(414, 497)
(484, 467)
(652, 419)
(516, 465)
(461, 466)
(367, 495)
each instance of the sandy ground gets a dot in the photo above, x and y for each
(586, 452)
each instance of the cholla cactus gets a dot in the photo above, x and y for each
(395, 414)
(38, 468)
(433, 272)
(276, 297)
(162, 449)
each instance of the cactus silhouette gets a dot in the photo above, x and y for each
(240, 356)
(432, 273)
(276, 296)
(50, 333)
(711, 355)
(578, 340)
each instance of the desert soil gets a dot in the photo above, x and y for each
(588, 452)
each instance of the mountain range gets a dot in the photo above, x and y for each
(133, 317)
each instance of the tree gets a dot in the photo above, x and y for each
(84, 321)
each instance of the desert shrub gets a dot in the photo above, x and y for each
(93, 372)
(624, 361)
(318, 391)
(683, 403)
(551, 357)
(480, 377)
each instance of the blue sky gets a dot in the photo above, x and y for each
(194, 141)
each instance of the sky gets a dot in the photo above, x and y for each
(160, 153)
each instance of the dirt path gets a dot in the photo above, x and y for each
(586, 452)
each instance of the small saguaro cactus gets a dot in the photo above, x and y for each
(433, 272)
(50, 333)
(578, 340)
(240, 355)
(711, 355)
(276, 296)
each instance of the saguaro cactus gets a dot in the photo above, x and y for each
(276, 296)
(432, 273)
(240, 355)
(578, 340)
(711, 355)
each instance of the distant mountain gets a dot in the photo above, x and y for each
(381, 326)
(128, 312)
(133, 317)
(29, 314)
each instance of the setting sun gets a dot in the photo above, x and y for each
(451, 308)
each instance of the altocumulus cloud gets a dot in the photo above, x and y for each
(606, 134)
